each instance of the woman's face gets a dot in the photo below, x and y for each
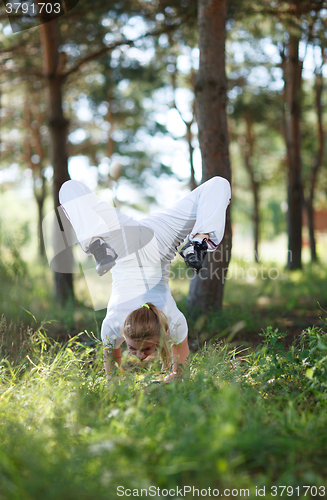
(141, 348)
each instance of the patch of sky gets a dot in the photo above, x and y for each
(48, 172)
(123, 84)
(13, 135)
(238, 53)
(175, 124)
(160, 118)
(7, 31)
(129, 104)
(119, 135)
(100, 78)
(104, 167)
(277, 83)
(106, 126)
(163, 40)
(71, 49)
(194, 128)
(126, 193)
(11, 174)
(143, 56)
(98, 120)
(103, 108)
(312, 59)
(80, 170)
(35, 159)
(234, 92)
(106, 22)
(134, 28)
(184, 101)
(180, 164)
(82, 108)
(302, 50)
(147, 103)
(259, 76)
(163, 99)
(169, 190)
(109, 38)
(115, 54)
(103, 136)
(188, 60)
(271, 50)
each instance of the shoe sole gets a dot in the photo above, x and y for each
(101, 270)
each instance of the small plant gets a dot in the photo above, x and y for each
(299, 371)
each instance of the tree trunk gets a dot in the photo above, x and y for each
(39, 195)
(40, 203)
(53, 65)
(210, 91)
(189, 136)
(317, 163)
(255, 189)
(255, 185)
(292, 78)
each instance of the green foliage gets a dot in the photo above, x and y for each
(12, 266)
(299, 372)
(68, 432)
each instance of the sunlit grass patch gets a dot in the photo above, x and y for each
(67, 432)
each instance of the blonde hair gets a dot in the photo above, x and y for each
(149, 323)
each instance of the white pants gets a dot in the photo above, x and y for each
(201, 211)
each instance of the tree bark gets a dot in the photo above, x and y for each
(317, 163)
(40, 204)
(188, 124)
(255, 185)
(33, 142)
(206, 293)
(292, 78)
(58, 125)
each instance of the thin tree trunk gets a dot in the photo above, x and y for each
(188, 125)
(40, 204)
(210, 92)
(317, 164)
(292, 79)
(33, 142)
(39, 195)
(255, 189)
(255, 185)
(189, 136)
(53, 65)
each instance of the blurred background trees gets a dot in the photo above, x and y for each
(110, 94)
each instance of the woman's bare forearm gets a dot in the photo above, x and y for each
(112, 358)
(180, 354)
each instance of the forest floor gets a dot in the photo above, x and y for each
(247, 417)
(253, 300)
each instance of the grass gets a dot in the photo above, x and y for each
(238, 420)
(232, 422)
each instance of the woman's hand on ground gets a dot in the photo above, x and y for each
(171, 376)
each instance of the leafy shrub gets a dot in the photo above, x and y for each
(12, 266)
(300, 370)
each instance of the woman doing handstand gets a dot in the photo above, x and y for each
(141, 310)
